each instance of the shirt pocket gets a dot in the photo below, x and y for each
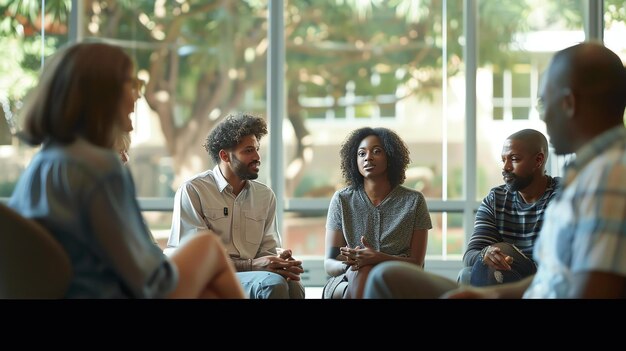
(255, 224)
(216, 220)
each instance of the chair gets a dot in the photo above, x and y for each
(33, 265)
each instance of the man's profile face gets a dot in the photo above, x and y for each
(245, 159)
(518, 165)
(551, 95)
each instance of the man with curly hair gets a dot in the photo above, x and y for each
(374, 219)
(242, 211)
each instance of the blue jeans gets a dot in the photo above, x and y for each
(268, 285)
(482, 275)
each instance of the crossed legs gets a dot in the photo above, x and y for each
(204, 269)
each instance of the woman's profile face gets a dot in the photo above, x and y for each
(371, 158)
(130, 94)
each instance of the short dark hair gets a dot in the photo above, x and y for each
(534, 140)
(79, 94)
(593, 69)
(228, 133)
(396, 150)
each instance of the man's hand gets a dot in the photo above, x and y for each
(494, 258)
(283, 264)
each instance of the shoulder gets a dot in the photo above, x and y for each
(404, 191)
(86, 159)
(343, 196)
(407, 195)
(555, 183)
(200, 178)
(261, 188)
(499, 191)
(345, 193)
(262, 195)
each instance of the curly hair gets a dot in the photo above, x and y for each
(227, 134)
(396, 150)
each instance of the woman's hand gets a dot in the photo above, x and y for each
(350, 257)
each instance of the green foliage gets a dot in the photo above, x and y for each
(20, 12)
(201, 51)
(614, 11)
(20, 37)
(329, 42)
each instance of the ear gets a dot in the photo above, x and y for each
(569, 102)
(224, 156)
(540, 159)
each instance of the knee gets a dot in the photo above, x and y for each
(385, 273)
(207, 241)
(296, 289)
(274, 286)
(464, 276)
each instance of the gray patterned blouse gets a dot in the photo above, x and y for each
(388, 227)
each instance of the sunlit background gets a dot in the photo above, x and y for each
(347, 64)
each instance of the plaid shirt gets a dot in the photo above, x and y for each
(585, 226)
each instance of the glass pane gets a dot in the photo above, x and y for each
(22, 36)
(304, 234)
(615, 26)
(521, 113)
(159, 224)
(376, 64)
(615, 29)
(529, 33)
(498, 113)
(521, 80)
(448, 229)
(199, 69)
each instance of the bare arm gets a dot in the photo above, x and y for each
(332, 264)
(419, 242)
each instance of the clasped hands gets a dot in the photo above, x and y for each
(283, 264)
(361, 255)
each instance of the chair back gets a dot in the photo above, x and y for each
(33, 265)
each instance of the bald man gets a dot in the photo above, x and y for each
(581, 250)
(509, 218)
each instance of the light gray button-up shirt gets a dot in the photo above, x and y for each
(246, 223)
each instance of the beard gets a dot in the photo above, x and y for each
(517, 183)
(242, 170)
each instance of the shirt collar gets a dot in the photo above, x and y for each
(592, 149)
(222, 183)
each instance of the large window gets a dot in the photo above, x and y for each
(348, 64)
(29, 35)
(510, 70)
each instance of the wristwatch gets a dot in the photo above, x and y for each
(483, 252)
